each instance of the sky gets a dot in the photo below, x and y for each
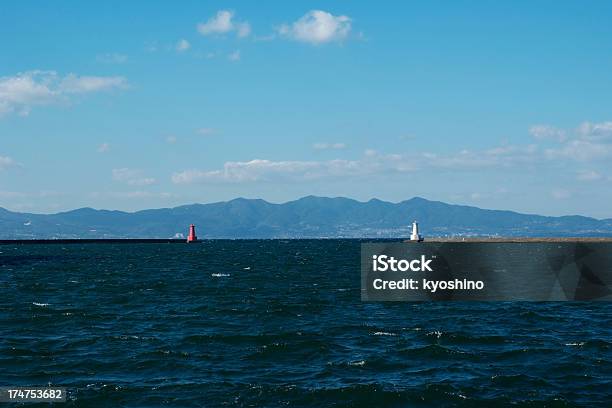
(135, 105)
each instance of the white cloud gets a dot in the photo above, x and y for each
(103, 148)
(234, 56)
(580, 150)
(317, 27)
(547, 132)
(567, 153)
(589, 175)
(193, 176)
(132, 177)
(372, 163)
(83, 84)
(590, 141)
(499, 157)
(112, 58)
(328, 146)
(182, 45)
(266, 170)
(596, 131)
(6, 162)
(223, 23)
(19, 93)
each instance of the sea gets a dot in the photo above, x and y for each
(269, 323)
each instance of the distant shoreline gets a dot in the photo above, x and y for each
(169, 240)
(515, 239)
(93, 241)
(427, 240)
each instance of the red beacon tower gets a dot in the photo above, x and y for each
(192, 235)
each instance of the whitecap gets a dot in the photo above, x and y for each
(248, 268)
(436, 333)
(579, 344)
(360, 363)
(40, 304)
(220, 275)
(380, 333)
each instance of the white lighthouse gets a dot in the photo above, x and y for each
(415, 236)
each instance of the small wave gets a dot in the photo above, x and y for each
(40, 304)
(434, 351)
(220, 275)
(512, 379)
(380, 333)
(470, 338)
(436, 333)
(126, 337)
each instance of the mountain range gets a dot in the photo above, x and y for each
(307, 217)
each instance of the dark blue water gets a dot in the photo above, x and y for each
(272, 323)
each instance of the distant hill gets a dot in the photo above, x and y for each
(308, 217)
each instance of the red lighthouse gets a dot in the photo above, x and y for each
(192, 235)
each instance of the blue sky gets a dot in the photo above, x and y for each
(132, 105)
